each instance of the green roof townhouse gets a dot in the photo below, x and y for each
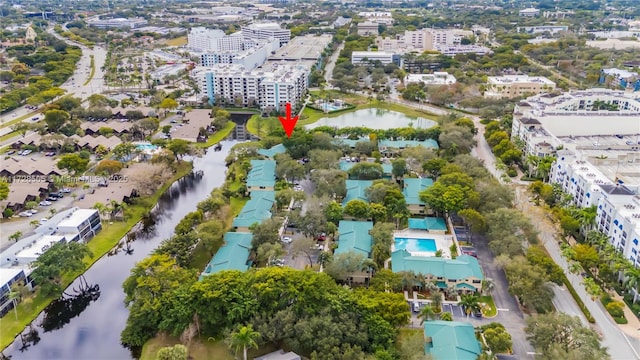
(451, 340)
(262, 175)
(356, 190)
(233, 255)
(354, 237)
(463, 272)
(273, 151)
(430, 224)
(256, 210)
(411, 191)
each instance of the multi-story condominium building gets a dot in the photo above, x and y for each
(510, 86)
(120, 23)
(250, 58)
(428, 39)
(593, 181)
(233, 84)
(263, 31)
(203, 39)
(453, 50)
(367, 28)
(620, 79)
(363, 57)
(81, 225)
(546, 122)
(437, 78)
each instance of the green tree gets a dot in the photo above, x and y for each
(179, 148)
(244, 338)
(55, 119)
(426, 313)
(124, 151)
(73, 163)
(366, 171)
(632, 281)
(108, 167)
(268, 252)
(444, 199)
(168, 104)
(470, 303)
(399, 168)
(333, 212)
(446, 316)
(59, 259)
(357, 208)
(497, 337)
(4, 190)
(265, 232)
(566, 332)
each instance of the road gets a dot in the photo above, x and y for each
(620, 345)
(75, 85)
(328, 69)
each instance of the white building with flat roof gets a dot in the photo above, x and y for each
(8, 277)
(266, 30)
(377, 17)
(545, 122)
(270, 90)
(529, 12)
(203, 39)
(119, 23)
(553, 29)
(80, 225)
(367, 28)
(250, 58)
(37, 247)
(510, 86)
(365, 57)
(437, 78)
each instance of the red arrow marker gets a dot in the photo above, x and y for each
(289, 122)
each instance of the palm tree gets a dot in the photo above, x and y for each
(632, 281)
(488, 285)
(14, 296)
(436, 302)
(245, 338)
(427, 313)
(446, 316)
(470, 303)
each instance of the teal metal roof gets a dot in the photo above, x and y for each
(451, 340)
(356, 190)
(273, 151)
(347, 165)
(232, 255)
(428, 223)
(462, 267)
(412, 189)
(262, 173)
(257, 209)
(354, 236)
(403, 144)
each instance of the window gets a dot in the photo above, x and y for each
(452, 280)
(477, 281)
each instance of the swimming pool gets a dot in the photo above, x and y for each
(416, 245)
(330, 107)
(149, 147)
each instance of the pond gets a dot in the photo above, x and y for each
(374, 118)
(85, 323)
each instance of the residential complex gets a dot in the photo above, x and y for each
(454, 340)
(529, 12)
(270, 90)
(203, 39)
(250, 57)
(510, 86)
(446, 41)
(543, 28)
(367, 28)
(378, 17)
(620, 79)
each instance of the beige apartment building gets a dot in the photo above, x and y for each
(510, 86)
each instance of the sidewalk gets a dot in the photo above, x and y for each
(632, 328)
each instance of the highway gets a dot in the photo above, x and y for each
(75, 85)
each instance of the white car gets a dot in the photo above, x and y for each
(25, 214)
(32, 211)
(287, 239)
(43, 220)
(45, 203)
(65, 190)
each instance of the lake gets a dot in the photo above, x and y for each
(374, 118)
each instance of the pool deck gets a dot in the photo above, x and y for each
(443, 241)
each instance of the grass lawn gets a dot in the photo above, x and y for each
(491, 311)
(99, 246)
(200, 349)
(263, 126)
(179, 41)
(237, 204)
(8, 136)
(218, 136)
(93, 71)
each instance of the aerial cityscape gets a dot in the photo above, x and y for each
(323, 180)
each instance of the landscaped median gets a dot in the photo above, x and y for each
(92, 73)
(110, 235)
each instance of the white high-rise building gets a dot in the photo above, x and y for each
(260, 31)
(254, 54)
(270, 90)
(203, 39)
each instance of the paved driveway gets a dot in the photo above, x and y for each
(509, 313)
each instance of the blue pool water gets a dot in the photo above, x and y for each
(329, 107)
(416, 245)
(146, 147)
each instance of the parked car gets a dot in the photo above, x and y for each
(416, 307)
(287, 239)
(103, 183)
(20, 152)
(65, 190)
(11, 152)
(322, 237)
(25, 214)
(58, 195)
(43, 220)
(26, 152)
(32, 211)
(51, 198)
(45, 203)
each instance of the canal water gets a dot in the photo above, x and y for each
(85, 323)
